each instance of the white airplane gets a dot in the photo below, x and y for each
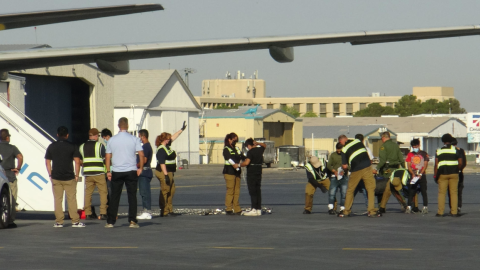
(114, 59)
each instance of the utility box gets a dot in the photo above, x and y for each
(284, 160)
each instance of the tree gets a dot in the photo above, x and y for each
(310, 114)
(408, 105)
(375, 110)
(291, 110)
(225, 106)
(454, 105)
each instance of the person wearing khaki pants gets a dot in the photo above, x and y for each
(90, 183)
(166, 193)
(165, 170)
(63, 154)
(231, 172)
(232, 195)
(367, 176)
(70, 189)
(448, 183)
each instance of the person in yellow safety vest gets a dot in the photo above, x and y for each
(93, 155)
(165, 170)
(399, 186)
(448, 163)
(356, 156)
(317, 178)
(231, 172)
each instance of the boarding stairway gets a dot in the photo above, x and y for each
(34, 186)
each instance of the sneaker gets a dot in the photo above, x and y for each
(307, 212)
(238, 213)
(103, 217)
(376, 214)
(251, 213)
(459, 210)
(341, 214)
(403, 208)
(57, 225)
(229, 213)
(381, 210)
(415, 210)
(134, 225)
(89, 217)
(425, 210)
(332, 212)
(109, 225)
(78, 225)
(408, 210)
(145, 215)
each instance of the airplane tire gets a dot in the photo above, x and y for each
(4, 208)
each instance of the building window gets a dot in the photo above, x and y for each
(390, 104)
(323, 110)
(349, 108)
(336, 107)
(269, 106)
(363, 106)
(296, 106)
(283, 106)
(309, 107)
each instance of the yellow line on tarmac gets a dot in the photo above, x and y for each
(375, 249)
(102, 247)
(239, 248)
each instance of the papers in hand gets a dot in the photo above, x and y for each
(414, 180)
(339, 170)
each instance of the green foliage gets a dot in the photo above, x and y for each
(225, 106)
(291, 110)
(409, 105)
(375, 109)
(310, 114)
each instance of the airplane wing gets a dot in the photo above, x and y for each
(18, 20)
(114, 58)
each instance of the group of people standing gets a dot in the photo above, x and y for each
(351, 162)
(125, 161)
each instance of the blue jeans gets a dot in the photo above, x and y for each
(336, 184)
(144, 190)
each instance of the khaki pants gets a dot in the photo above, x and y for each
(70, 188)
(310, 191)
(90, 183)
(233, 193)
(450, 182)
(397, 184)
(367, 176)
(166, 192)
(14, 188)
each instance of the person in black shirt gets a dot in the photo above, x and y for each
(165, 170)
(254, 162)
(231, 172)
(62, 154)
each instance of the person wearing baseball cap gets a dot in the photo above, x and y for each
(317, 178)
(93, 155)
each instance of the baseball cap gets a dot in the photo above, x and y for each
(93, 132)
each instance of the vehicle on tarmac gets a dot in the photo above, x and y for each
(6, 206)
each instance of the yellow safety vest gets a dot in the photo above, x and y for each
(93, 164)
(169, 152)
(232, 152)
(310, 169)
(447, 152)
(405, 178)
(354, 154)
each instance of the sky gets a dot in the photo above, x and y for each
(335, 70)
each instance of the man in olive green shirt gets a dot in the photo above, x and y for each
(391, 158)
(338, 180)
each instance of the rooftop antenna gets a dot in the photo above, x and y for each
(188, 71)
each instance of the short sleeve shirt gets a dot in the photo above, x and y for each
(256, 160)
(123, 148)
(417, 159)
(9, 153)
(148, 152)
(62, 153)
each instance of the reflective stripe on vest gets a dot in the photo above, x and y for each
(91, 164)
(232, 153)
(356, 153)
(450, 151)
(310, 169)
(405, 177)
(169, 152)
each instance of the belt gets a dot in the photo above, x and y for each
(147, 168)
(255, 164)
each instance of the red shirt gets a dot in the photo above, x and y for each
(417, 159)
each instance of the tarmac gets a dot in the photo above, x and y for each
(285, 239)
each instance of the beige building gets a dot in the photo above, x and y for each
(252, 92)
(274, 125)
